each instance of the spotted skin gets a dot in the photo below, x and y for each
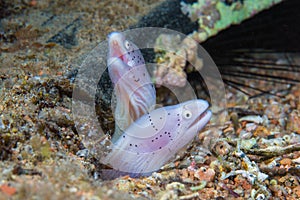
(134, 91)
(154, 138)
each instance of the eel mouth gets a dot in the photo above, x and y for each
(200, 118)
(115, 49)
(115, 41)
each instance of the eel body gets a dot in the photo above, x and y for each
(153, 139)
(134, 91)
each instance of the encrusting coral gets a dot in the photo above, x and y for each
(214, 16)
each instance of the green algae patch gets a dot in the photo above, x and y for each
(41, 146)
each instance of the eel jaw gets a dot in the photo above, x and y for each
(201, 120)
(115, 45)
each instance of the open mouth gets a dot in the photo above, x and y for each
(199, 118)
(115, 49)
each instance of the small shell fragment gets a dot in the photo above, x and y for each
(252, 118)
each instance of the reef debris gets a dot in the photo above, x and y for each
(174, 58)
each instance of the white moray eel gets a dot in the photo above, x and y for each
(149, 137)
(134, 90)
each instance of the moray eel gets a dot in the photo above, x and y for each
(153, 139)
(148, 138)
(134, 91)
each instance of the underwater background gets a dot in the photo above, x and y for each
(253, 154)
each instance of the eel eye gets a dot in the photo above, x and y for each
(127, 44)
(187, 114)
